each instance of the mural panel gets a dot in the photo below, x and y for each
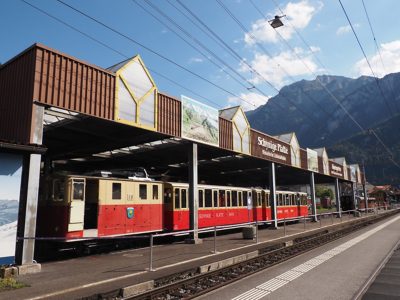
(10, 183)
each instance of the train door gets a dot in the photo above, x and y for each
(76, 204)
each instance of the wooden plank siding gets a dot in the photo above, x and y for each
(169, 115)
(16, 90)
(225, 134)
(67, 83)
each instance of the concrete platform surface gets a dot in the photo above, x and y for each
(337, 270)
(85, 276)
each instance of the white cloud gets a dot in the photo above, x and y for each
(346, 29)
(254, 100)
(298, 14)
(273, 69)
(390, 57)
(195, 60)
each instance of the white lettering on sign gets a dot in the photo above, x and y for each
(270, 145)
(274, 155)
(336, 170)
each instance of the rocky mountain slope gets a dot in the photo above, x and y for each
(308, 109)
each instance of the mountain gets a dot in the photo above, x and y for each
(365, 147)
(307, 108)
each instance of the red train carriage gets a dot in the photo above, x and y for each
(225, 205)
(87, 206)
(83, 207)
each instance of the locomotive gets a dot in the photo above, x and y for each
(88, 207)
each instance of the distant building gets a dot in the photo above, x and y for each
(385, 194)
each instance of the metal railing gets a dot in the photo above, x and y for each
(216, 229)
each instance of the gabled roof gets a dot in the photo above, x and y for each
(119, 65)
(228, 113)
(339, 160)
(287, 137)
(320, 151)
(355, 166)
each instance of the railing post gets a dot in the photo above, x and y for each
(215, 239)
(320, 220)
(284, 227)
(151, 253)
(332, 218)
(304, 223)
(256, 231)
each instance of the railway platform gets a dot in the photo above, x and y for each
(106, 274)
(385, 282)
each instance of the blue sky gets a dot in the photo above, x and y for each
(322, 24)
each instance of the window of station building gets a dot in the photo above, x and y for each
(215, 198)
(228, 199)
(201, 198)
(177, 202)
(116, 191)
(167, 195)
(155, 192)
(234, 198)
(208, 198)
(184, 198)
(78, 189)
(143, 191)
(221, 198)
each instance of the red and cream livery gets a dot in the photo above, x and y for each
(85, 206)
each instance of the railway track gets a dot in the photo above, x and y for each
(190, 284)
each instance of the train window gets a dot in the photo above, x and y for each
(183, 198)
(304, 199)
(201, 198)
(228, 197)
(58, 190)
(143, 191)
(279, 199)
(234, 199)
(78, 189)
(215, 198)
(155, 192)
(167, 195)
(240, 198)
(221, 198)
(245, 198)
(208, 198)
(258, 199)
(116, 191)
(267, 201)
(177, 202)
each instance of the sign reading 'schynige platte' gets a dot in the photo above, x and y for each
(200, 122)
(269, 148)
